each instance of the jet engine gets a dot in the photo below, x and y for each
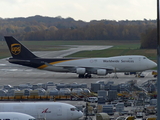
(101, 72)
(81, 71)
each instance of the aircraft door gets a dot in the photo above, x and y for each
(59, 111)
(139, 61)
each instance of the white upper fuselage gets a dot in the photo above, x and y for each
(133, 63)
(15, 116)
(48, 110)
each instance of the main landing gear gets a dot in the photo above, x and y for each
(84, 75)
(115, 74)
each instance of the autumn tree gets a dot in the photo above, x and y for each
(149, 39)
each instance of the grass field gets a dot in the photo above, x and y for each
(120, 48)
(117, 50)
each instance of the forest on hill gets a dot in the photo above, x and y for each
(58, 28)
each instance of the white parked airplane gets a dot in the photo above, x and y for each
(15, 116)
(82, 66)
(48, 110)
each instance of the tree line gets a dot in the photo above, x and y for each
(149, 39)
(58, 28)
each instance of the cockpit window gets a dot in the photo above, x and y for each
(32, 119)
(144, 57)
(73, 109)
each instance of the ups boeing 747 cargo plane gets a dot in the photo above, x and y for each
(84, 67)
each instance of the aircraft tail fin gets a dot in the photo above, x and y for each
(17, 50)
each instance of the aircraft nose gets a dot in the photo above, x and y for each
(78, 115)
(153, 65)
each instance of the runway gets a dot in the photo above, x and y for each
(15, 74)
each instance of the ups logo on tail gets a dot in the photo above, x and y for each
(15, 48)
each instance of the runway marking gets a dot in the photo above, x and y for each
(2, 64)
(13, 69)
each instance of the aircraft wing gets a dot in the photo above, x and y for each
(91, 70)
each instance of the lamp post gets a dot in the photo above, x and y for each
(158, 61)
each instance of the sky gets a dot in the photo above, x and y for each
(85, 10)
